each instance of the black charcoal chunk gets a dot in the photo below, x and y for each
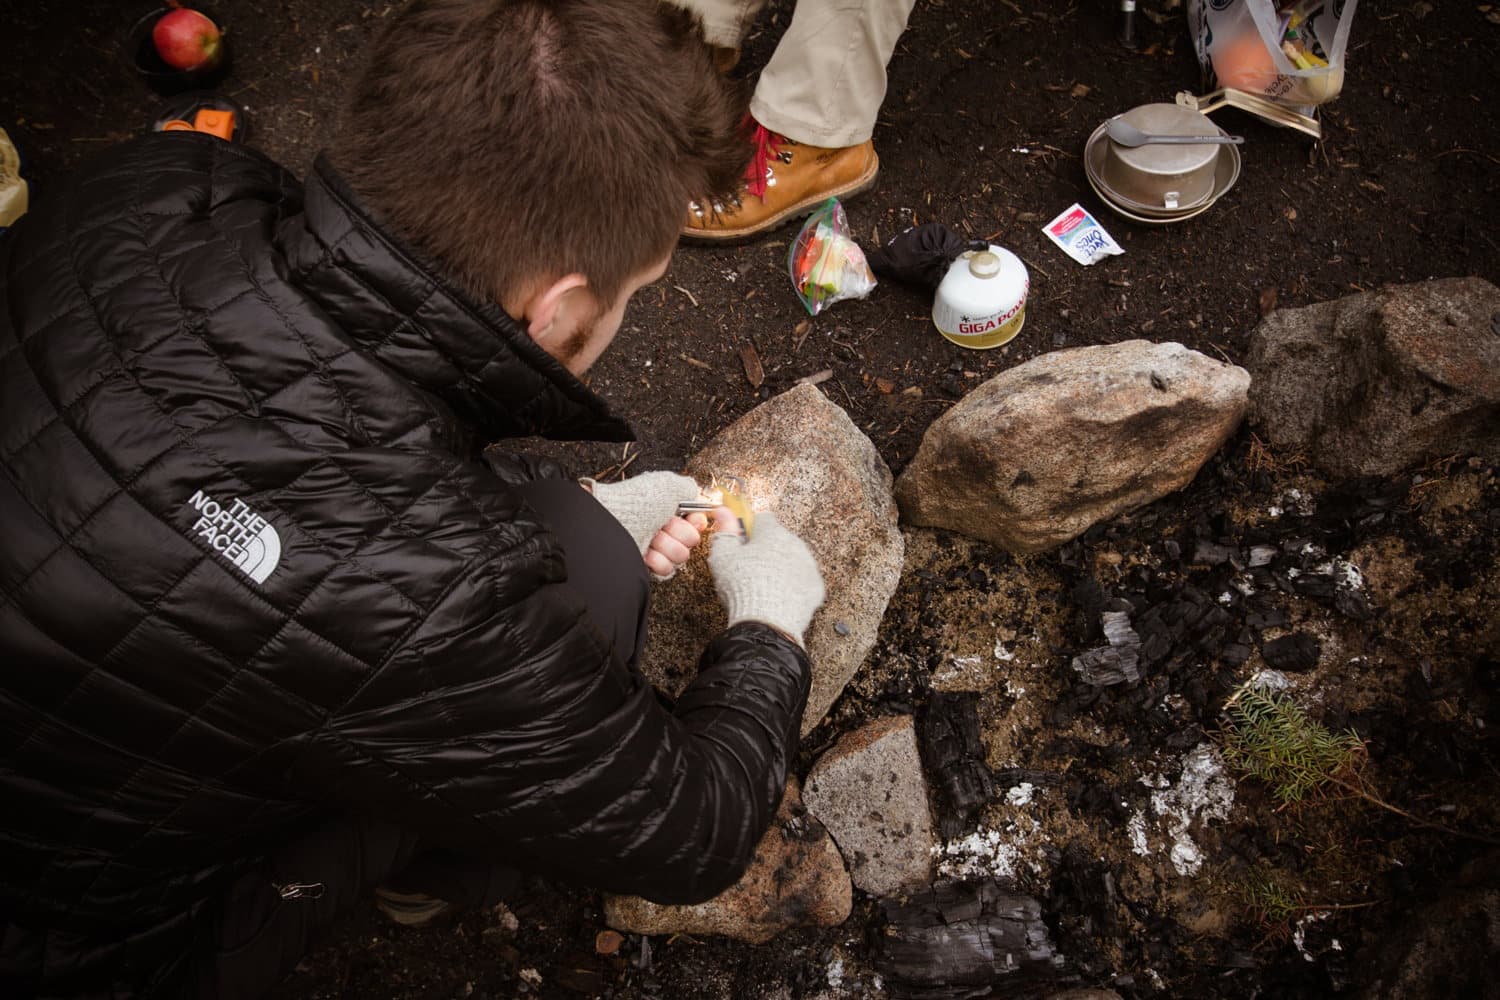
(1296, 652)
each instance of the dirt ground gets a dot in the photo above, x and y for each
(988, 107)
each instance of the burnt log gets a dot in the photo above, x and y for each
(953, 752)
(966, 939)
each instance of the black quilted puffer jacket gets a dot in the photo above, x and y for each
(253, 570)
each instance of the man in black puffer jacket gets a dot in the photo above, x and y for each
(270, 627)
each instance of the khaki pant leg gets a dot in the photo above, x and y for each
(826, 80)
(724, 21)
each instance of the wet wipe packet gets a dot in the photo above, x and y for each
(825, 264)
(1081, 237)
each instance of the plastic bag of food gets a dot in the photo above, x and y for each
(825, 263)
(1290, 52)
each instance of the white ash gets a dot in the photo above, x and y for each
(983, 852)
(836, 973)
(1136, 828)
(1021, 794)
(1186, 857)
(1299, 934)
(1298, 502)
(987, 852)
(1270, 680)
(959, 669)
(1001, 653)
(1346, 575)
(1202, 792)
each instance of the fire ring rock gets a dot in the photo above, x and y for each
(1038, 454)
(1370, 384)
(870, 793)
(797, 878)
(801, 456)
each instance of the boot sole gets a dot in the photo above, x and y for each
(410, 909)
(746, 234)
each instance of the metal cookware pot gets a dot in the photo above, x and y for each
(1162, 177)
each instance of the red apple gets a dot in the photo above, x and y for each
(187, 40)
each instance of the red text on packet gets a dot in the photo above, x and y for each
(1069, 222)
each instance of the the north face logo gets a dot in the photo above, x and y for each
(238, 534)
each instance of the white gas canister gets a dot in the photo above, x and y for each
(981, 302)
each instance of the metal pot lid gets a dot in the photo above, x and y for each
(1168, 119)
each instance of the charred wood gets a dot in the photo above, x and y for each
(1296, 652)
(953, 752)
(966, 939)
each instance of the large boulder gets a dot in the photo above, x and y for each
(1370, 384)
(1037, 454)
(870, 793)
(797, 879)
(801, 456)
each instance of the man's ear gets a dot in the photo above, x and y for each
(551, 306)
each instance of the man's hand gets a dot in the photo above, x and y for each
(674, 543)
(771, 578)
(647, 507)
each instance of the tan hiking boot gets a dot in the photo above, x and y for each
(785, 181)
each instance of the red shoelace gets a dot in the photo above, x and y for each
(767, 144)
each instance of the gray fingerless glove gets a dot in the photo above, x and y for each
(772, 578)
(645, 503)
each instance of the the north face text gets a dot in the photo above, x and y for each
(238, 534)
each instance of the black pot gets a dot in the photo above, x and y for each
(140, 52)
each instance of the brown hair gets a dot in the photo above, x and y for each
(521, 140)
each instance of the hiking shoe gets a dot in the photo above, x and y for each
(784, 181)
(410, 909)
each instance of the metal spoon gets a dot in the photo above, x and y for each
(1123, 133)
